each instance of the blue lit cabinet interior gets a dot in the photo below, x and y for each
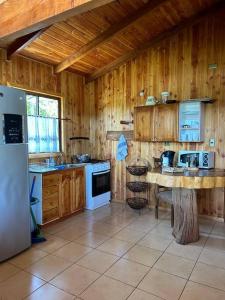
(191, 121)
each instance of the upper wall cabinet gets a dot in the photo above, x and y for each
(157, 123)
(191, 119)
(143, 123)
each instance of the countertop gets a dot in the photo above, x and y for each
(201, 179)
(35, 168)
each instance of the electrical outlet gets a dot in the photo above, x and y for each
(212, 142)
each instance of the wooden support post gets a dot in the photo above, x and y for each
(186, 227)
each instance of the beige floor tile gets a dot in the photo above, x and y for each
(97, 261)
(190, 251)
(209, 275)
(7, 270)
(48, 267)
(143, 255)
(195, 291)
(175, 265)
(54, 228)
(52, 244)
(129, 235)
(213, 257)
(72, 251)
(128, 272)
(49, 292)
(75, 279)
(107, 289)
(19, 286)
(162, 230)
(106, 229)
(27, 258)
(71, 233)
(163, 285)
(92, 239)
(216, 243)
(206, 225)
(219, 229)
(115, 246)
(155, 242)
(141, 295)
(119, 220)
(140, 226)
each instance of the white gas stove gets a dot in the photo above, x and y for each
(98, 189)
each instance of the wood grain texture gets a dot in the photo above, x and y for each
(73, 37)
(107, 35)
(186, 226)
(37, 77)
(210, 180)
(30, 16)
(179, 65)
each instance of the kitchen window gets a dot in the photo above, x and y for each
(43, 114)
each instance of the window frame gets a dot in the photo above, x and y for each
(58, 99)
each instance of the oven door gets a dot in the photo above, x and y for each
(100, 183)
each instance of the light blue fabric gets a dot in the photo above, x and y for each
(43, 134)
(122, 149)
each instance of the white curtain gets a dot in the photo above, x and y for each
(43, 134)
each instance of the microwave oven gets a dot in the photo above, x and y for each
(199, 159)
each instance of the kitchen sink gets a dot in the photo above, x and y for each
(68, 166)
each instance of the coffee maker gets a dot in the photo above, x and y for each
(166, 158)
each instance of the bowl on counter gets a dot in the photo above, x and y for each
(81, 158)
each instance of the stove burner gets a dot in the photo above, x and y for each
(96, 161)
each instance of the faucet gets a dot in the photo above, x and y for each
(60, 159)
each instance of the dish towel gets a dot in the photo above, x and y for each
(121, 148)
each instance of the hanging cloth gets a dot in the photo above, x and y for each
(122, 149)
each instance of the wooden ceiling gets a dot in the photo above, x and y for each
(94, 40)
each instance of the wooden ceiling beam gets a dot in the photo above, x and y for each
(107, 35)
(19, 18)
(164, 35)
(22, 42)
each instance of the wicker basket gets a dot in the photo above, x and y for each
(137, 170)
(137, 202)
(137, 186)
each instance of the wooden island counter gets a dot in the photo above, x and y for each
(184, 186)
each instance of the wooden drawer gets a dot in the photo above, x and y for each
(50, 191)
(50, 180)
(51, 202)
(50, 215)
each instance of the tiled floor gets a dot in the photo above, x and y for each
(114, 253)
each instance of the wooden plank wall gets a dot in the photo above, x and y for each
(178, 65)
(38, 77)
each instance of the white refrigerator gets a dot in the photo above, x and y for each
(15, 233)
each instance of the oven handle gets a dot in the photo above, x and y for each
(99, 173)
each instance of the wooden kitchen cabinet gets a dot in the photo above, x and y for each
(143, 125)
(78, 199)
(67, 193)
(63, 193)
(51, 194)
(158, 123)
(166, 123)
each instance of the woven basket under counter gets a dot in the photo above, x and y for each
(137, 170)
(137, 202)
(137, 186)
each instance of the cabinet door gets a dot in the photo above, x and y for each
(166, 123)
(66, 190)
(78, 201)
(50, 197)
(143, 123)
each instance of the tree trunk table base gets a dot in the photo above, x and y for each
(186, 227)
